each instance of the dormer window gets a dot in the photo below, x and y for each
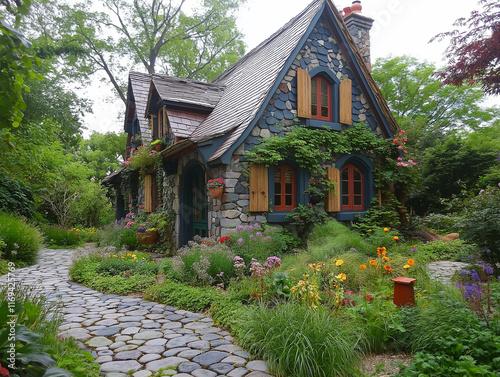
(321, 103)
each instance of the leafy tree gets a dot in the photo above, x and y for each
(102, 153)
(474, 51)
(422, 106)
(17, 62)
(157, 36)
(453, 168)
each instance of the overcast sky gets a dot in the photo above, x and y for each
(401, 27)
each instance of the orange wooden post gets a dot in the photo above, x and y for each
(403, 291)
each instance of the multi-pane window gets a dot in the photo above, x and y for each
(352, 188)
(284, 188)
(320, 99)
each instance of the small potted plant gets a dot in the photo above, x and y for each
(136, 140)
(216, 187)
(158, 144)
(147, 236)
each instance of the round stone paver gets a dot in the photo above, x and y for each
(133, 337)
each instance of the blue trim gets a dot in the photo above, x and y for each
(315, 123)
(358, 69)
(226, 157)
(367, 166)
(301, 183)
(207, 148)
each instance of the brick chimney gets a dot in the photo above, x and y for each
(359, 27)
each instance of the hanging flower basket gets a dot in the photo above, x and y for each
(158, 147)
(216, 192)
(148, 237)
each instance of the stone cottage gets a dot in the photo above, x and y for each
(314, 71)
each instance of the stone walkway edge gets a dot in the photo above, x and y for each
(134, 337)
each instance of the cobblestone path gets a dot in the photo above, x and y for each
(130, 334)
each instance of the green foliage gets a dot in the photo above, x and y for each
(450, 340)
(4, 266)
(18, 62)
(439, 223)
(15, 196)
(260, 242)
(143, 158)
(481, 222)
(305, 217)
(120, 274)
(456, 250)
(22, 239)
(57, 236)
(310, 148)
(118, 237)
(386, 215)
(297, 341)
(202, 263)
(37, 350)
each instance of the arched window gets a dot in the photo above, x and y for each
(352, 188)
(284, 188)
(321, 104)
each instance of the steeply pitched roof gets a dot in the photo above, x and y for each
(136, 106)
(249, 81)
(187, 92)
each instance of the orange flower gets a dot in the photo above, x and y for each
(341, 276)
(386, 259)
(388, 268)
(362, 266)
(386, 230)
(411, 262)
(395, 238)
(373, 262)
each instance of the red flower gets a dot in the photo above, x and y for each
(4, 372)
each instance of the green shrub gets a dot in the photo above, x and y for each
(23, 241)
(38, 351)
(297, 341)
(4, 267)
(118, 237)
(260, 242)
(481, 222)
(440, 223)
(456, 250)
(15, 196)
(115, 274)
(202, 263)
(57, 237)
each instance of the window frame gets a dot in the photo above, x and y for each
(283, 188)
(319, 80)
(351, 194)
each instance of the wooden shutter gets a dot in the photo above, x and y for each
(259, 199)
(153, 117)
(148, 193)
(303, 93)
(345, 102)
(332, 199)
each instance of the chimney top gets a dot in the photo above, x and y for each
(354, 8)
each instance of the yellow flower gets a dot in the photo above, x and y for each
(305, 276)
(362, 266)
(373, 262)
(369, 230)
(411, 262)
(406, 266)
(339, 262)
(386, 230)
(341, 276)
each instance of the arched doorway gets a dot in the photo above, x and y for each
(193, 203)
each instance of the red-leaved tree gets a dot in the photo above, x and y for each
(474, 51)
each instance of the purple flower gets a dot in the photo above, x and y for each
(465, 272)
(240, 242)
(251, 236)
(240, 227)
(414, 249)
(258, 234)
(470, 256)
(480, 192)
(488, 251)
(475, 276)
(353, 249)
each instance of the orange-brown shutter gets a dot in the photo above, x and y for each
(332, 199)
(148, 193)
(164, 123)
(259, 200)
(303, 93)
(153, 117)
(345, 102)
